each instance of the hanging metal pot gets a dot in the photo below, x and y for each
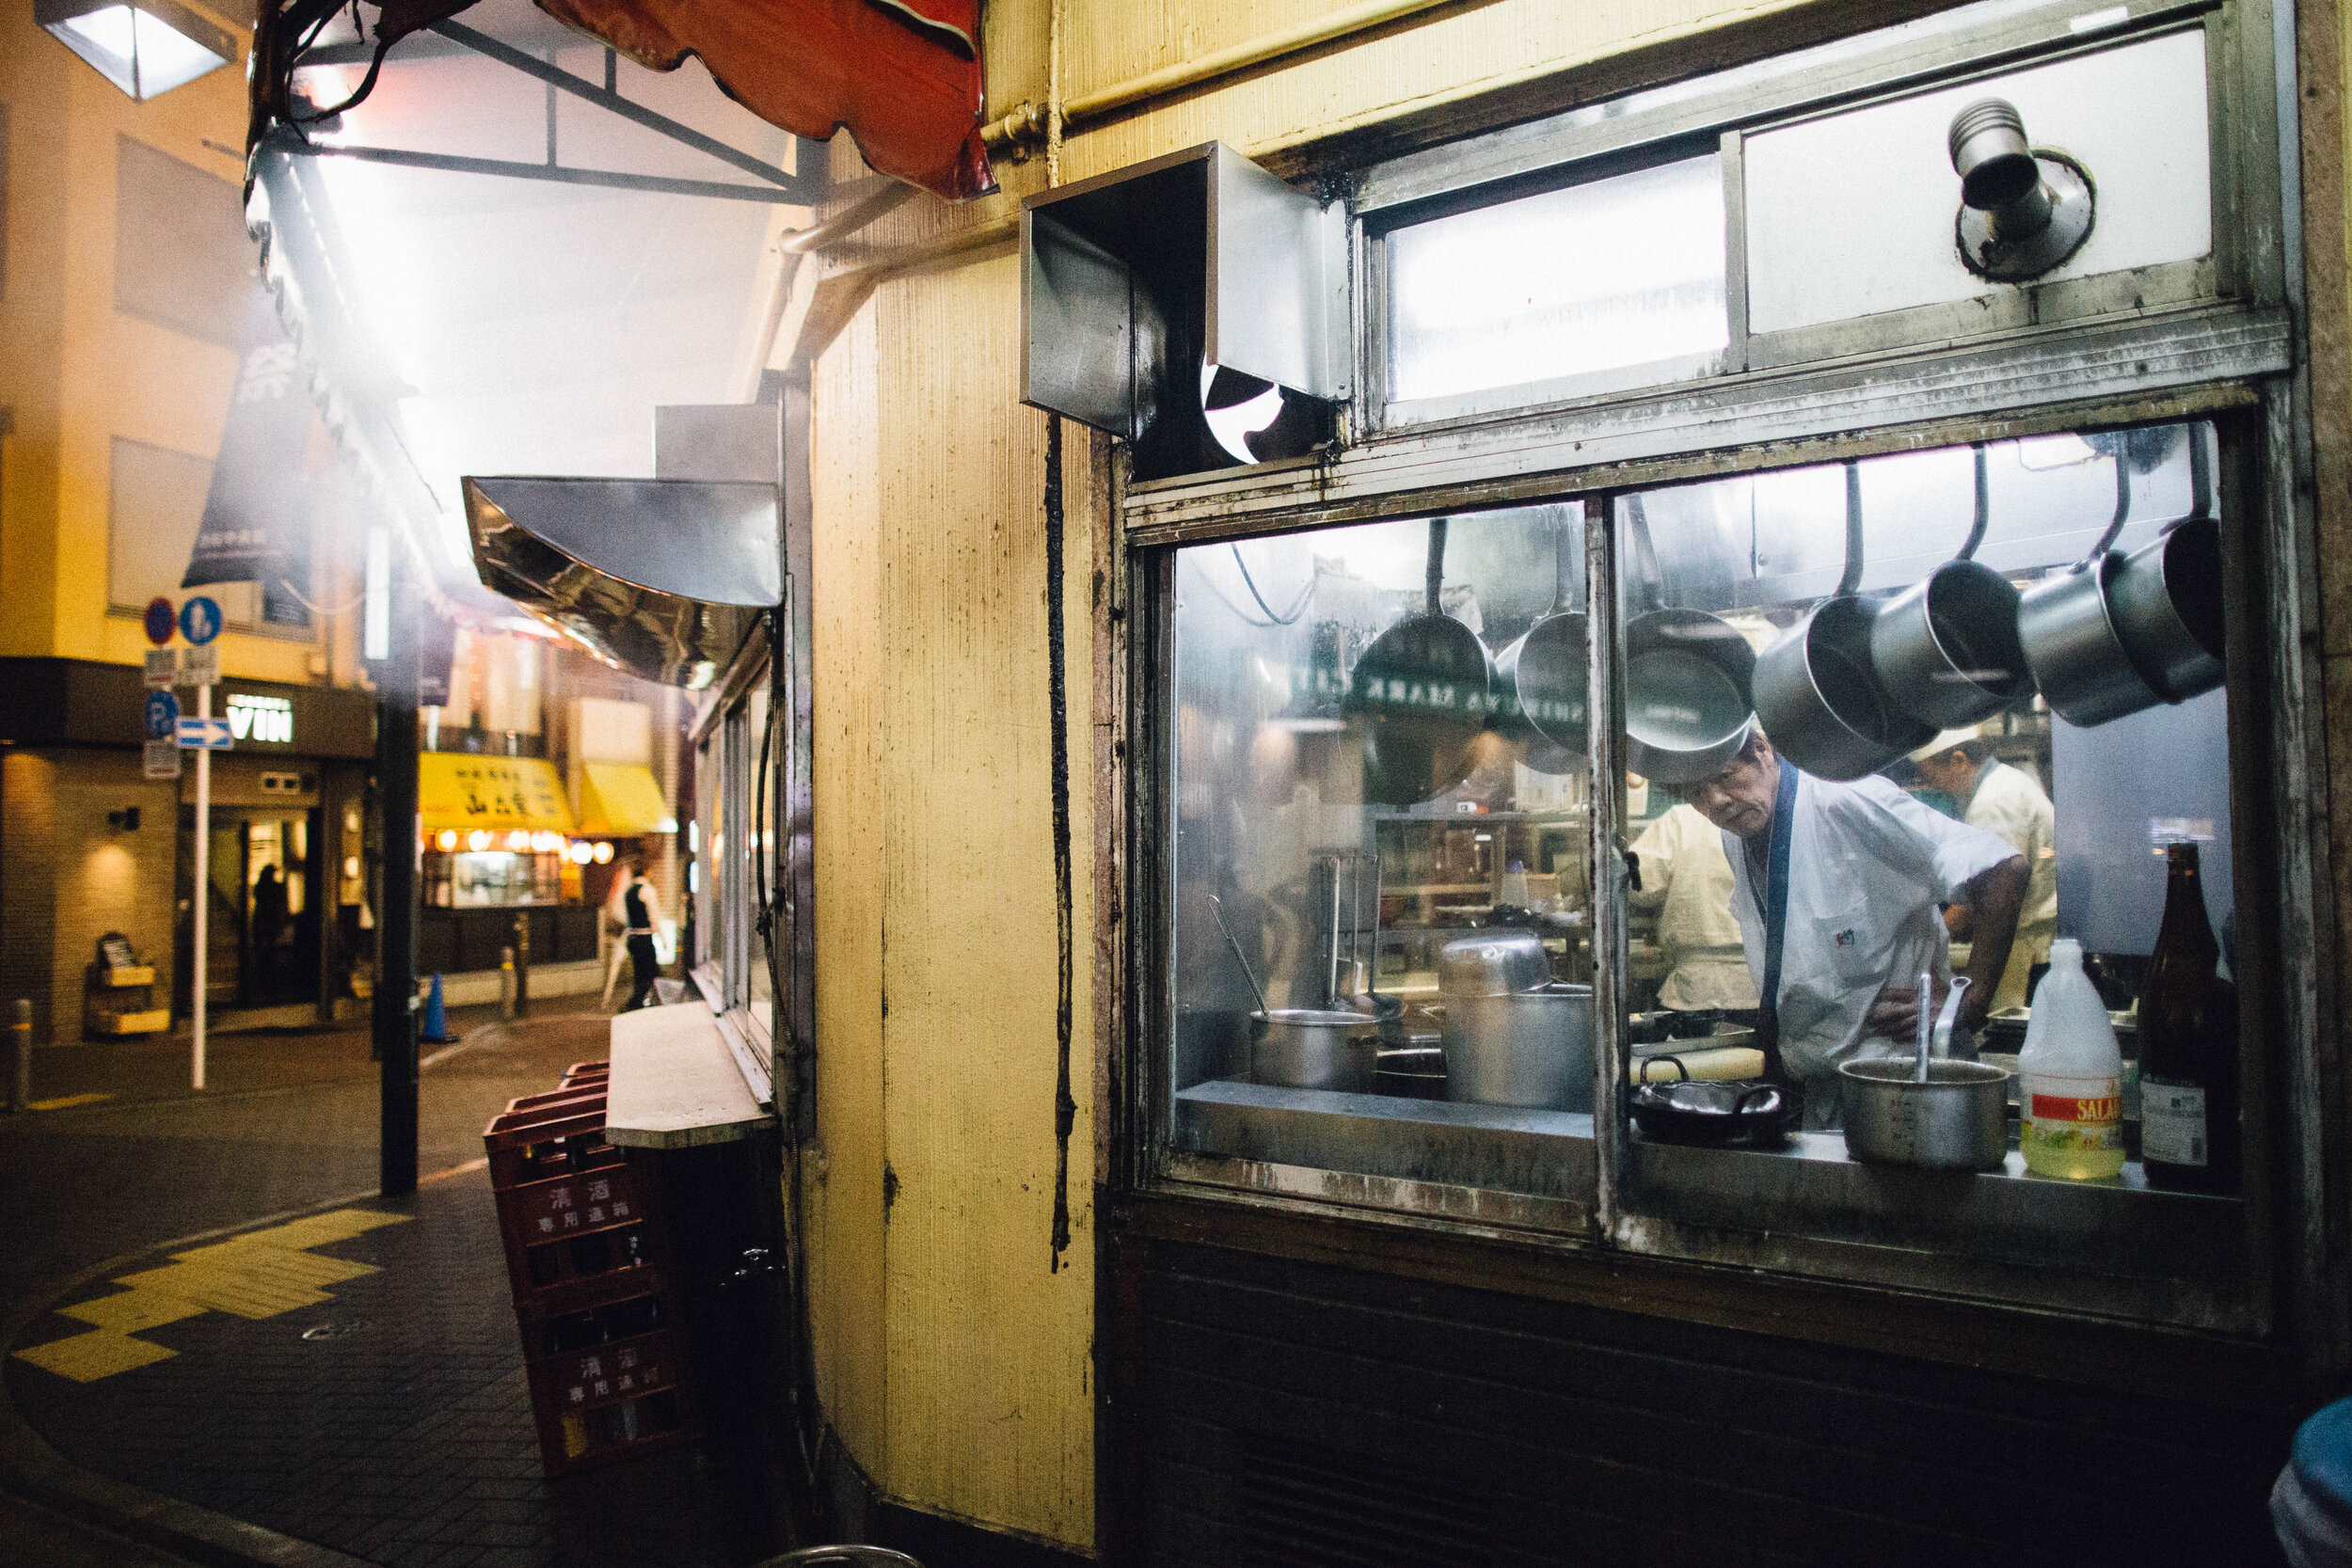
(1420, 695)
(1946, 649)
(1817, 694)
(1687, 709)
(1541, 678)
(2067, 628)
(2167, 598)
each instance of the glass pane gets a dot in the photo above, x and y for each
(1949, 769)
(1379, 807)
(710, 864)
(1615, 273)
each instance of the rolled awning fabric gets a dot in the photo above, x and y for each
(621, 800)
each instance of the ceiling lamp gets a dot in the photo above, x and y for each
(145, 49)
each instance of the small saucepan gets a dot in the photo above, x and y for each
(1541, 678)
(1420, 695)
(1817, 694)
(1946, 649)
(1688, 676)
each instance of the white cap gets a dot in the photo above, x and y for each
(1944, 743)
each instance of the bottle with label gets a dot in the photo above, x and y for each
(2071, 1076)
(2188, 1080)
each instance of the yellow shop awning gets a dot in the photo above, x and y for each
(620, 800)
(458, 790)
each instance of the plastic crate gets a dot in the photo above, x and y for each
(563, 1138)
(609, 1400)
(572, 1228)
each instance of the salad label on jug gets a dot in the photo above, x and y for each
(2077, 1116)
(2173, 1122)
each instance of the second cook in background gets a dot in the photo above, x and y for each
(1837, 889)
(2006, 802)
(1687, 879)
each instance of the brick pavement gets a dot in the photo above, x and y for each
(400, 1432)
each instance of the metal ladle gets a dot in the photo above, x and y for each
(1938, 1037)
(1255, 989)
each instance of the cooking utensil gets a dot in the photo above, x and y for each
(1930, 1111)
(1541, 678)
(1311, 1048)
(1217, 908)
(1817, 694)
(1713, 1110)
(1946, 649)
(2167, 598)
(1414, 1070)
(2067, 625)
(1420, 695)
(1530, 1048)
(1688, 674)
(1494, 963)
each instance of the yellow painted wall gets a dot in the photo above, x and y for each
(953, 1363)
(77, 373)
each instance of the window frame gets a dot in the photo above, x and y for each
(725, 925)
(2226, 360)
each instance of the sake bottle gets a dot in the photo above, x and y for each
(2188, 1082)
(2071, 1072)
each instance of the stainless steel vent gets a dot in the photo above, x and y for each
(662, 578)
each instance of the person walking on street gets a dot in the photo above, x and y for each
(640, 909)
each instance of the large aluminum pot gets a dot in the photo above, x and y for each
(1816, 693)
(2066, 624)
(2167, 602)
(1530, 1048)
(1946, 649)
(1688, 708)
(1956, 1120)
(1306, 1048)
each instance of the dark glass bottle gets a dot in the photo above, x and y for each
(2188, 1080)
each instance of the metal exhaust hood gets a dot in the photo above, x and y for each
(661, 578)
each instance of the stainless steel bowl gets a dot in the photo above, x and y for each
(1956, 1120)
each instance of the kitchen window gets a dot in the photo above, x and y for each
(1352, 799)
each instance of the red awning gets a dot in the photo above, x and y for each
(902, 75)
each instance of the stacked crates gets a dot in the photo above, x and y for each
(583, 1241)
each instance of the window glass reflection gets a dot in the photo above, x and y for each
(1614, 272)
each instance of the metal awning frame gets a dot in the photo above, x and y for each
(783, 188)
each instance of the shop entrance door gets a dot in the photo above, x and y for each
(262, 927)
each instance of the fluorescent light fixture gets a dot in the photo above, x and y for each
(143, 49)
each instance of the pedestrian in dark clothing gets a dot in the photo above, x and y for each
(640, 909)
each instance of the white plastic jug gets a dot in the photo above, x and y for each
(2071, 1089)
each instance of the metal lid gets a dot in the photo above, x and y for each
(1494, 963)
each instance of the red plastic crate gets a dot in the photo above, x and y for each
(608, 1402)
(564, 1138)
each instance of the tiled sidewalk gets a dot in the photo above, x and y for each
(351, 1378)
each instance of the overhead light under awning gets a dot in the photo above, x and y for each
(662, 578)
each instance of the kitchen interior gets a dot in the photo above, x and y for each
(1384, 953)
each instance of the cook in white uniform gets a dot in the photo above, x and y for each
(1686, 878)
(2006, 802)
(1865, 867)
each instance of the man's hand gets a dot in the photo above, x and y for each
(1895, 1015)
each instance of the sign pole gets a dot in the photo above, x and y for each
(203, 874)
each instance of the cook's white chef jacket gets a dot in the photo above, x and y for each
(1686, 878)
(1867, 865)
(2007, 805)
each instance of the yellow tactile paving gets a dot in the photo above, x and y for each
(258, 1275)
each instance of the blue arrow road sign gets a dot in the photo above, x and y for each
(206, 735)
(200, 620)
(162, 715)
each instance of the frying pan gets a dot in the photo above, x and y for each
(1817, 694)
(1541, 678)
(1946, 649)
(1688, 708)
(1420, 694)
